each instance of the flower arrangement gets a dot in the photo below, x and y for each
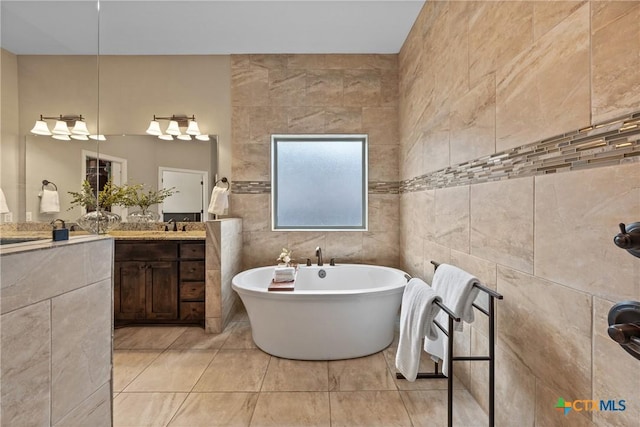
(285, 256)
(138, 195)
(110, 195)
(98, 219)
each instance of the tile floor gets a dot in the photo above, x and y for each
(180, 376)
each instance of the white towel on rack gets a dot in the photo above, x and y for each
(219, 200)
(416, 322)
(49, 201)
(455, 286)
(4, 208)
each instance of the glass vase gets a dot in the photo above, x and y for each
(143, 217)
(99, 222)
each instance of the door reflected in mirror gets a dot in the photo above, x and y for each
(188, 203)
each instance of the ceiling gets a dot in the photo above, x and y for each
(205, 27)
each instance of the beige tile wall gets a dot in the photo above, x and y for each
(517, 72)
(315, 94)
(223, 261)
(55, 334)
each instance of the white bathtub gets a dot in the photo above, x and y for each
(349, 313)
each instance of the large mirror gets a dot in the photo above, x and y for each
(188, 166)
(49, 68)
(56, 67)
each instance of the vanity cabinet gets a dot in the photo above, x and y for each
(145, 290)
(159, 282)
(192, 279)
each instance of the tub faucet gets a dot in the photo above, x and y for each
(319, 255)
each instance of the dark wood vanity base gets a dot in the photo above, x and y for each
(159, 282)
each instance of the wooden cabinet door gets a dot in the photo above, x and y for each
(162, 290)
(129, 290)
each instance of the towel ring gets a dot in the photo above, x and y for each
(45, 183)
(223, 180)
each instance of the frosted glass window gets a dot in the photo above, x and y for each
(319, 182)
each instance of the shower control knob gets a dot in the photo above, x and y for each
(622, 239)
(629, 238)
(624, 333)
(624, 326)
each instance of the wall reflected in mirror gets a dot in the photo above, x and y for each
(49, 67)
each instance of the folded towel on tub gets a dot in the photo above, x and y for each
(283, 279)
(456, 287)
(416, 322)
(284, 274)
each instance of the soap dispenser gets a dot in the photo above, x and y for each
(59, 234)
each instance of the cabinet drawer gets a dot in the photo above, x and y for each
(192, 311)
(192, 270)
(152, 251)
(192, 291)
(192, 250)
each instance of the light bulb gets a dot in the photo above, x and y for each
(80, 128)
(173, 128)
(41, 128)
(61, 128)
(154, 128)
(193, 128)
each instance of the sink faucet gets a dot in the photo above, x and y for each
(175, 225)
(319, 255)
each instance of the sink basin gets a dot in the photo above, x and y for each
(12, 240)
(156, 234)
(135, 232)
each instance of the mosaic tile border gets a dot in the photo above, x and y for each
(611, 143)
(250, 187)
(264, 187)
(384, 187)
(614, 142)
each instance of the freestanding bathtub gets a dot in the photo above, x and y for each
(350, 312)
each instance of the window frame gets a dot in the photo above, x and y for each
(363, 138)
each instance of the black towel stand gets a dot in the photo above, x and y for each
(491, 358)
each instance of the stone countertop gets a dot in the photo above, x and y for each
(159, 235)
(47, 243)
(44, 236)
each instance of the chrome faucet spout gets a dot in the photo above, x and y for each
(319, 255)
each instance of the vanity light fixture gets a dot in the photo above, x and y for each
(173, 130)
(61, 129)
